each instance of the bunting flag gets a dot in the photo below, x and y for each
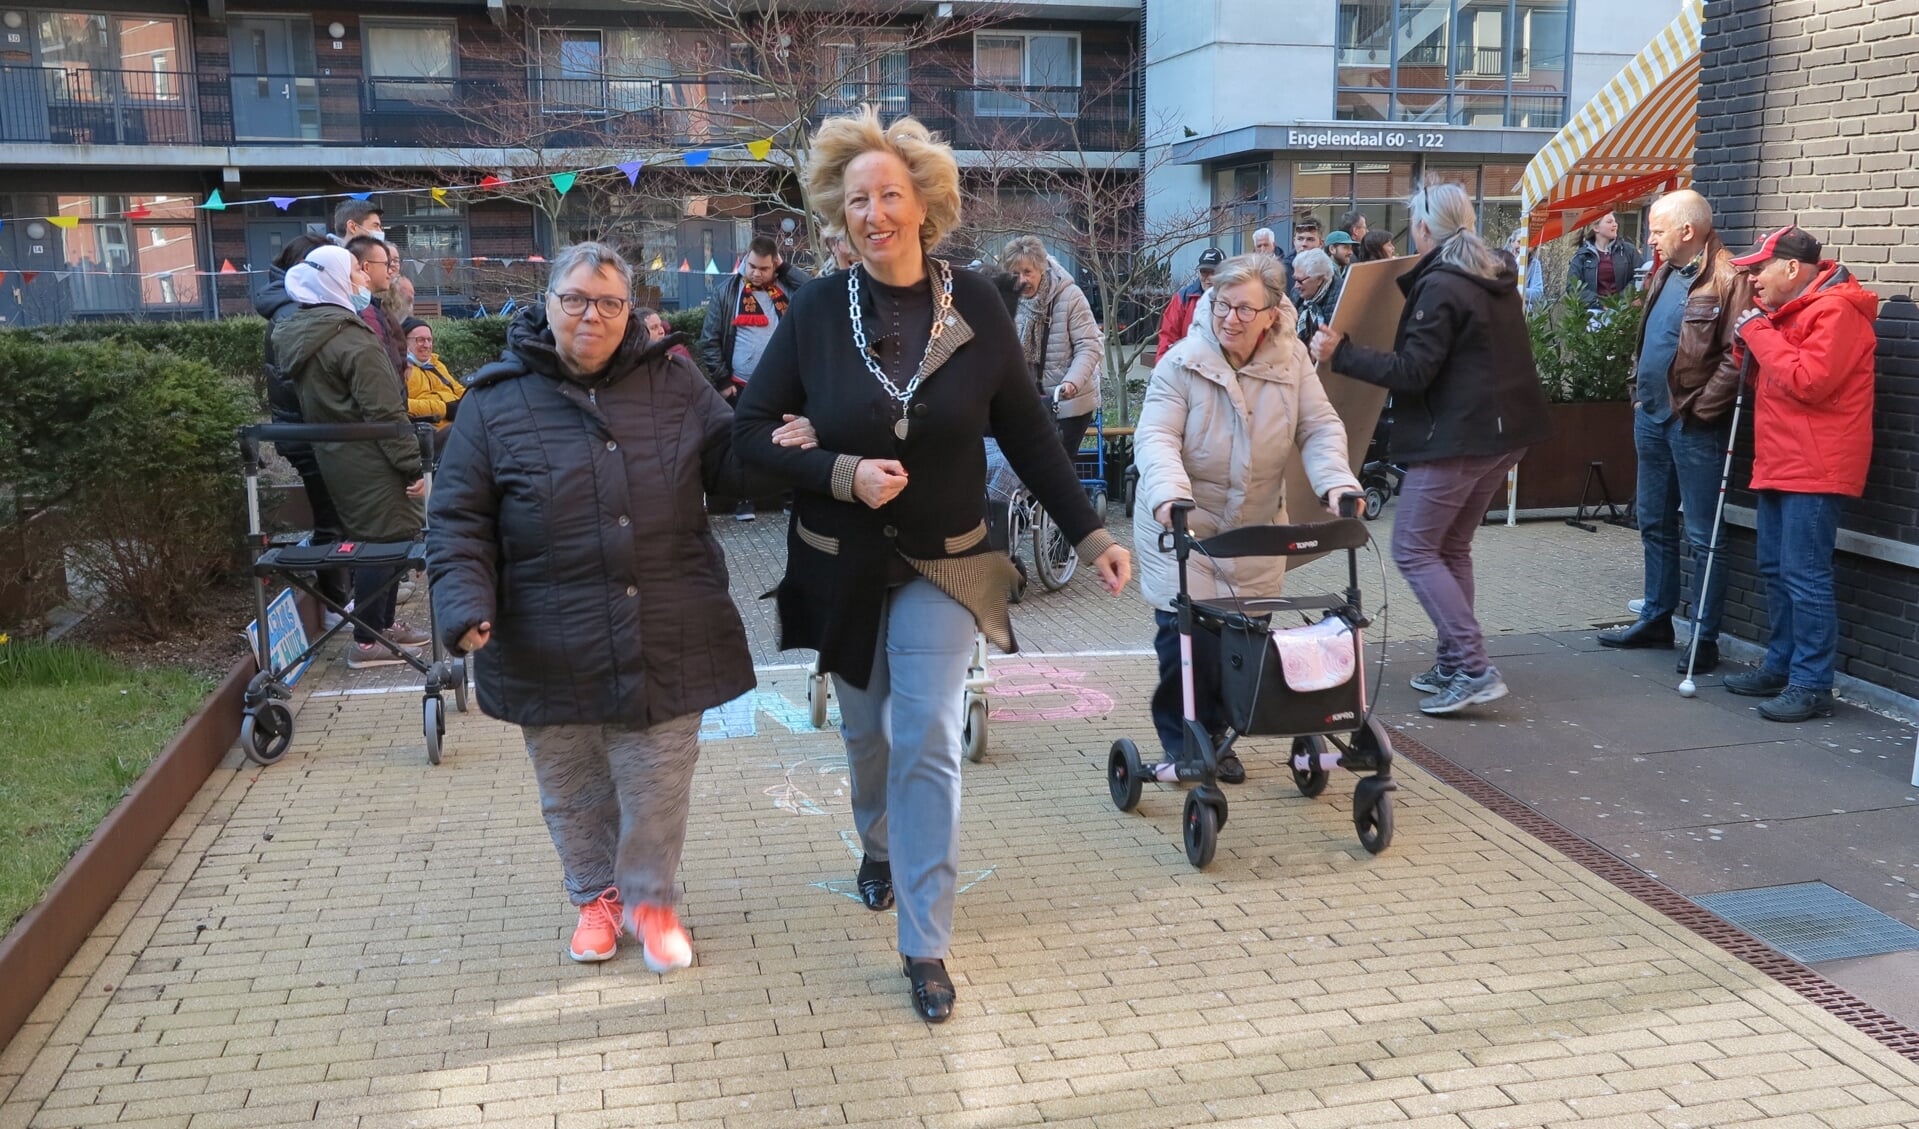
(227, 267)
(64, 223)
(281, 202)
(632, 170)
(759, 149)
(359, 195)
(139, 212)
(3, 278)
(27, 276)
(712, 267)
(214, 203)
(698, 157)
(439, 195)
(685, 267)
(490, 181)
(563, 181)
(536, 258)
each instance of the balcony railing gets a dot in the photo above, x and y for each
(79, 106)
(84, 106)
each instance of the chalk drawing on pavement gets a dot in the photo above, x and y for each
(1045, 692)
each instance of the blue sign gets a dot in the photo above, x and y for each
(286, 635)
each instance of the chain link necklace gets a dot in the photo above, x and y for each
(942, 306)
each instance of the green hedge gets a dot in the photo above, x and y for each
(1585, 356)
(134, 450)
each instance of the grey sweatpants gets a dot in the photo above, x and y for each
(615, 801)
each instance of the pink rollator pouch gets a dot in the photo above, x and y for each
(1318, 656)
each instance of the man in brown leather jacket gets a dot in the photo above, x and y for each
(1684, 380)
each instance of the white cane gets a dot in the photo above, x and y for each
(1686, 687)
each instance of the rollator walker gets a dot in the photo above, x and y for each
(1331, 725)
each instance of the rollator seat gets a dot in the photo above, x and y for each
(308, 558)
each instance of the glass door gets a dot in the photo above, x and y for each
(274, 93)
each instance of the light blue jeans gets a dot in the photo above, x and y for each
(1680, 462)
(903, 757)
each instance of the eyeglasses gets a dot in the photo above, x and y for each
(573, 305)
(1229, 312)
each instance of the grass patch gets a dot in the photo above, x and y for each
(76, 729)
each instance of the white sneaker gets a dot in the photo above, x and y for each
(1635, 606)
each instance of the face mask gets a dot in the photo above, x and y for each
(362, 298)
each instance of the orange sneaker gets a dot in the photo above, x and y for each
(663, 940)
(597, 936)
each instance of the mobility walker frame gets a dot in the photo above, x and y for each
(1333, 727)
(267, 727)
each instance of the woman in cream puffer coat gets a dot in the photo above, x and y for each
(1224, 412)
(1061, 339)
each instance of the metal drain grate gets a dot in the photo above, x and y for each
(1811, 922)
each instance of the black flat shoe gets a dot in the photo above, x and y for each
(1230, 770)
(1705, 662)
(876, 884)
(933, 993)
(1645, 633)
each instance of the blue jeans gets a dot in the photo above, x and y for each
(902, 737)
(1797, 535)
(1680, 462)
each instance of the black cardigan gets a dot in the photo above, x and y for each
(1461, 371)
(838, 549)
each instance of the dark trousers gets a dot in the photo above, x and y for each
(1072, 429)
(374, 600)
(1797, 535)
(1169, 700)
(326, 518)
(1680, 462)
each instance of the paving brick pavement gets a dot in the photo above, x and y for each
(354, 938)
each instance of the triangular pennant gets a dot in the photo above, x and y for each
(64, 223)
(632, 170)
(698, 157)
(509, 262)
(27, 276)
(759, 149)
(439, 195)
(3, 278)
(214, 203)
(480, 258)
(712, 267)
(63, 275)
(563, 181)
(490, 181)
(360, 195)
(685, 267)
(139, 212)
(227, 267)
(536, 258)
(281, 202)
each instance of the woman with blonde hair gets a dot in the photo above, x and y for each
(1466, 405)
(903, 363)
(1059, 336)
(1225, 410)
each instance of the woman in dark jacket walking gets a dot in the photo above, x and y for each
(889, 572)
(569, 552)
(1604, 263)
(1466, 405)
(341, 373)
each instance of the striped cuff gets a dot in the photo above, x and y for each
(1097, 542)
(843, 470)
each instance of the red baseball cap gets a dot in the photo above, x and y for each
(1788, 242)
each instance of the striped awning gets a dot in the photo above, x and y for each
(1633, 139)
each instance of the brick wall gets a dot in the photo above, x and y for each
(1807, 114)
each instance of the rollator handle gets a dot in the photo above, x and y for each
(326, 432)
(1175, 539)
(1349, 504)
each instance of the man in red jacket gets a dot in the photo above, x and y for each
(1178, 317)
(1812, 343)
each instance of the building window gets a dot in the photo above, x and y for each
(1485, 63)
(431, 238)
(120, 264)
(410, 61)
(1033, 73)
(866, 66)
(572, 69)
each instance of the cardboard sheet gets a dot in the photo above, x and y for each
(1368, 313)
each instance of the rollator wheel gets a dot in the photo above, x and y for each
(1375, 502)
(1373, 749)
(265, 732)
(459, 687)
(816, 694)
(433, 723)
(1053, 555)
(1100, 505)
(1018, 591)
(1124, 776)
(1373, 820)
(974, 735)
(1310, 781)
(1201, 825)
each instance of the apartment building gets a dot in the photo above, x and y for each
(1285, 108)
(118, 122)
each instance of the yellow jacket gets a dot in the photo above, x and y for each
(430, 388)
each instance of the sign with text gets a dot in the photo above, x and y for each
(286, 635)
(1393, 139)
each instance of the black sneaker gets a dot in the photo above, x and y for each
(744, 512)
(1230, 770)
(1756, 683)
(1797, 703)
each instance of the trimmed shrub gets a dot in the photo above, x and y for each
(467, 343)
(136, 451)
(687, 322)
(1585, 356)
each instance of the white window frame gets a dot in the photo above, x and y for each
(452, 27)
(982, 98)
